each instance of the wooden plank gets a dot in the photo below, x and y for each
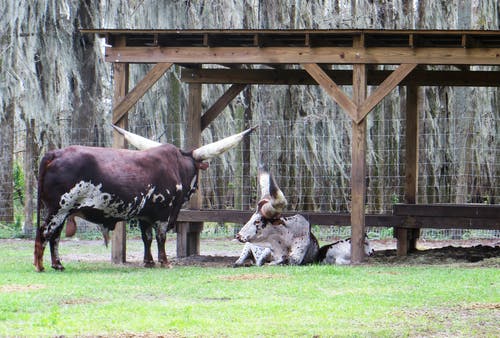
(417, 77)
(329, 55)
(131, 98)
(358, 164)
(407, 239)
(403, 243)
(438, 222)
(188, 234)
(331, 88)
(315, 218)
(119, 235)
(449, 210)
(336, 219)
(412, 146)
(301, 32)
(384, 89)
(220, 104)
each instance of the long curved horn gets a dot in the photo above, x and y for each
(272, 193)
(137, 141)
(211, 150)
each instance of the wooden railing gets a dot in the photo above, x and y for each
(440, 216)
(449, 216)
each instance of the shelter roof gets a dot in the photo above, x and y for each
(301, 38)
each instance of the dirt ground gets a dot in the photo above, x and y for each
(224, 252)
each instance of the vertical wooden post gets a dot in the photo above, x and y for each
(358, 165)
(247, 184)
(407, 238)
(188, 234)
(121, 76)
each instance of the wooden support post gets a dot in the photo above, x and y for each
(188, 234)
(121, 76)
(247, 183)
(358, 165)
(407, 238)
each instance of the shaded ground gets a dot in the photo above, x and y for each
(472, 253)
(224, 252)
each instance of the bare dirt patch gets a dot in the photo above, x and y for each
(224, 252)
(471, 253)
(9, 288)
(249, 276)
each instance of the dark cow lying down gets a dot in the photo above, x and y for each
(271, 238)
(105, 185)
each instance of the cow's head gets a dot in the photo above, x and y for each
(369, 251)
(269, 208)
(200, 154)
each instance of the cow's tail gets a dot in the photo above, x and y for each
(44, 163)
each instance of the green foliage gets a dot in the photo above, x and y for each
(101, 299)
(18, 176)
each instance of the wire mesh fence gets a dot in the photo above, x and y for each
(311, 161)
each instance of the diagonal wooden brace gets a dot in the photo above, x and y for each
(139, 90)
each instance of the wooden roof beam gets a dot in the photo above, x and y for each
(303, 55)
(419, 77)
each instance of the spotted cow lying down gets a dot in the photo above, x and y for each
(271, 238)
(340, 252)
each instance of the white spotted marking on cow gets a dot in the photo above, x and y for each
(158, 198)
(178, 187)
(88, 195)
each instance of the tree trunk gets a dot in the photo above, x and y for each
(29, 170)
(6, 163)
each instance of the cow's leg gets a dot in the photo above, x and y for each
(147, 239)
(161, 238)
(49, 231)
(298, 250)
(40, 244)
(261, 254)
(54, 248)
(245, 253)
(342, 261)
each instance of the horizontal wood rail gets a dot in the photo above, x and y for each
(449, 216)
(316, 218)
(439, 216)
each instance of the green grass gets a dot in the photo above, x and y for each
(98, 298)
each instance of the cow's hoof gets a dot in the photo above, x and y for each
(166, 265)
(149, 264)
(58, 267)
(39, 268)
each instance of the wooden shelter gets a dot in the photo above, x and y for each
(308, 57)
